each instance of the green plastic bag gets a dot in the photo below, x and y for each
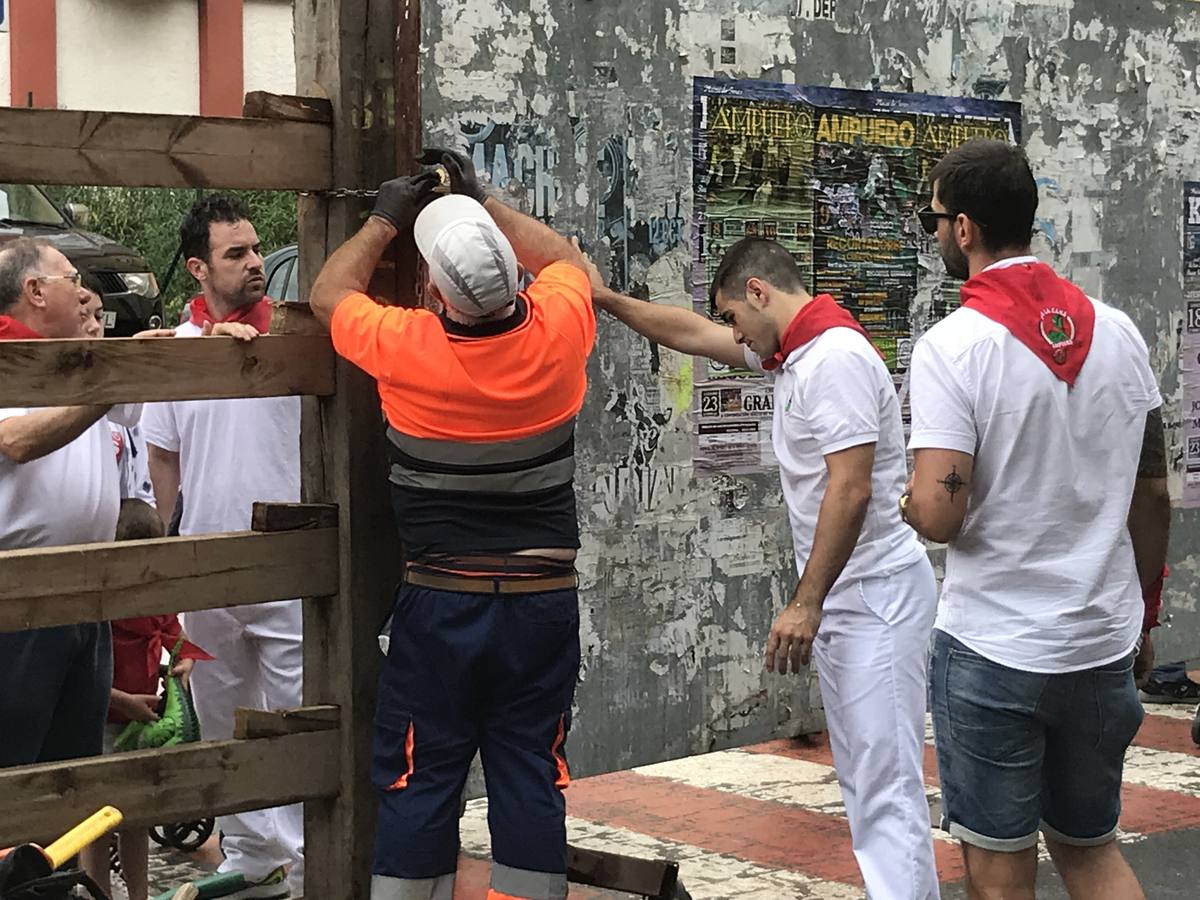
(177, 722)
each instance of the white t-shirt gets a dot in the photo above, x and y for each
(132, 464)
(1041, 577)
(70, 496)
(232, 453)
(831, 394)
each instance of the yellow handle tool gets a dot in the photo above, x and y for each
(91, 829)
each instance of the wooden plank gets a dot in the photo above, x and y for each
(648, 877)
(353, 65)
(60, 146)
(136, 370)
(265, 105)
(261, 723)
(289, 317)
(292, 516)
(177, 784)
(99, 582)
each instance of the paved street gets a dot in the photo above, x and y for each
(767, 822)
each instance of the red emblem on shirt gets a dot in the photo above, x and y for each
(118, 442)
(1058, 330)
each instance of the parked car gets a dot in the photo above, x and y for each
(282, 270)
(131, 298)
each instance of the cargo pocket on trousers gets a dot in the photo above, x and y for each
(392, 765)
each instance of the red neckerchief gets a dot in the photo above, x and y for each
(256, 314)
(818, 315)
(137, 651)
(12, 330)
(1046, 313)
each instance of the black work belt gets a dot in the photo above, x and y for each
(462, 584)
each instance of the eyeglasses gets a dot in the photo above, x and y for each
(929, 218)
(76, 278)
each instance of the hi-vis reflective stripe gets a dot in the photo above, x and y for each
(564, 773)
(524, 884)
(490, 453)
(384, 887)
(539, 478)
(402, 782)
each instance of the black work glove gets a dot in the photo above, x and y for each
(401, 199)
(461, 170)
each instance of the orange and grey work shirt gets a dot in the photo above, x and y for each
(481, 418)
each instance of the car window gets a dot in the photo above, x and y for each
(279, 278)
(293, 282)
(26, 203)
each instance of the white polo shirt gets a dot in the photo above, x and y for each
(70, 496)
(831, 394)
(232, 453)
(1041, 577)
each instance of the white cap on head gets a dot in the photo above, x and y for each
(470, 260)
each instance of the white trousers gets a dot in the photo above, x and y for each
(870, 654)
(259, 664)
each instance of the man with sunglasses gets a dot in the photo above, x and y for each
(1038, 445)
(864, 604)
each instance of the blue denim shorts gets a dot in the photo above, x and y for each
(1022, 752)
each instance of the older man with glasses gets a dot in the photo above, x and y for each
(58, 485)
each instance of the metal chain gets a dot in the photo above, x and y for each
(343, 194)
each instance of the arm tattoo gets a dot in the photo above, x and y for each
(1153, 462)
(953, 483)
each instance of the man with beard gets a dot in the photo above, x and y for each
(1039, 459)
(864, 604)
(226, 454)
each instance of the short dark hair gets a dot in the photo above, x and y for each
(138, 520)
(754, 257)
(90, 281)
(17, 259)
(193, 233)
(991, 182)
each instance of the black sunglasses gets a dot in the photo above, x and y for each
(929, 218)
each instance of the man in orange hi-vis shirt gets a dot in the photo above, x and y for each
(481, 399)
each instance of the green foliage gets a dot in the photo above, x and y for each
(147, 220)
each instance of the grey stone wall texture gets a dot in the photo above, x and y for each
(583, 110)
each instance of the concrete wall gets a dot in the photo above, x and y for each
(268, 51)
(144, 55)
(129, 55)
(681, 574)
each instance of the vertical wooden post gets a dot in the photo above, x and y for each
(347, 50)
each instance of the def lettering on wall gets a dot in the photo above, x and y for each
(3, 15)
(816, 9)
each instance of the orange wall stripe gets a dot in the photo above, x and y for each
(222, 69)
(33, 52)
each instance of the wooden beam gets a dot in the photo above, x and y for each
(292, 516)
(177, 784)
(60, 146)
(136, 370)
(294, 317)
(261, 723)
(120, 580)
(265, 105)
(341, 450)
